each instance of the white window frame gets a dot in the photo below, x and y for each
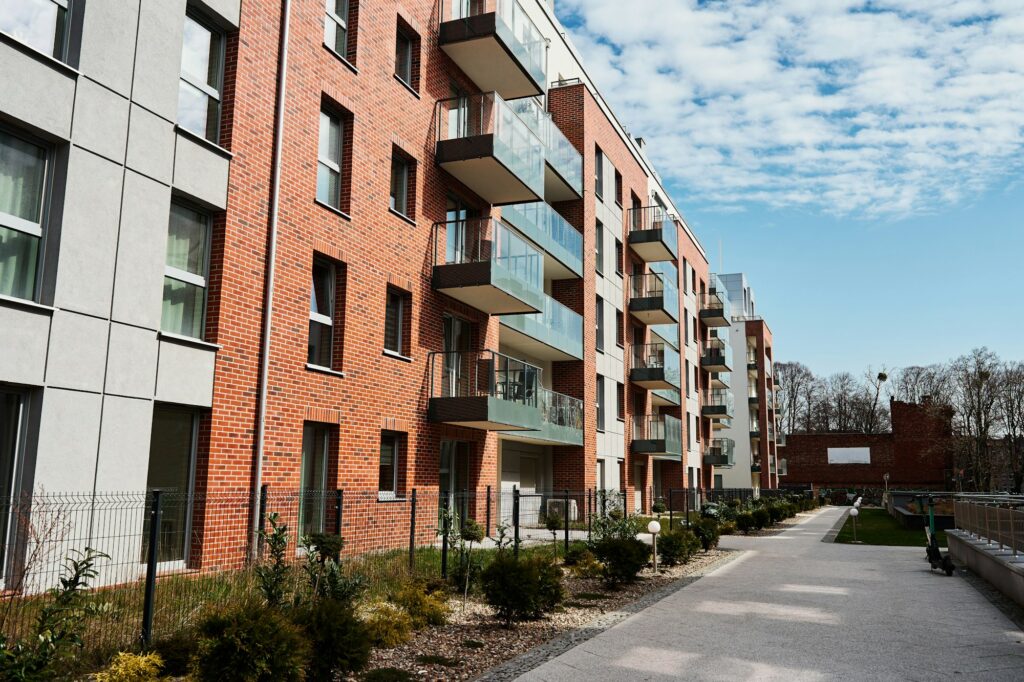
(28, 227)
(320, 318)
(184, 275)
(340, 23)
(199, 82)
(395, 453)
(335, 201)
(400, 337)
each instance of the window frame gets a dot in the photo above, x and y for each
(312, 428)
(332, 166)
(618, 188)
(27, 227)
(332, 292)
(599, 173)
(191, 487)
(340, 23)
(402, 37)
(216, 93)
(400, 297)
(396, 447)
(620, 401)
(398, 158)
(600, 404)
(620, 257)
(599, 325)
(186, 277)
(599, 247)
(58, 51)
(10, 537)
(620, 328)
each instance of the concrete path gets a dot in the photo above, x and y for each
(795, 608)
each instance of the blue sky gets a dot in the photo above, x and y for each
(861, 162)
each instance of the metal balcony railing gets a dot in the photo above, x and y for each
(481, 240)
(473, 374)
(561, 410)
(514, 25)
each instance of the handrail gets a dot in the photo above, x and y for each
(470, 374)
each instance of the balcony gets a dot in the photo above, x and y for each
(751, 359)
(720, 452)
(653, 233)
(563, 169)
(669, 333)
(653, 299)
(561, 421)
(658, 435)
(718, 405)
(496, 44)
(666, 397)
(555, 333)
(488, 266)
(755, 429)
(484, 390)
(560, 242)
(655, 366)
(755, 468)
(714, 306)
(483, 144)
(716, 357)
(719, 380)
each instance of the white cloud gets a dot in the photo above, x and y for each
(884, 107)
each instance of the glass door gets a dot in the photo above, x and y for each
(11, 419)
(171, 465)
(454, 476)
(457, 340)
(312, 501)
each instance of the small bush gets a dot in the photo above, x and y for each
(734, 503)
(659, 507)
(587, 567)
(622, 558)
(423, 607)
(176, 652)
(677, 547)
(387, 625)
(727, 528)
(128, 667)
(250, 643)
(762, 519)
(776, 513)
(340, 641)
(521, 589)
(707, 532)
(576, 552)
(745, 522)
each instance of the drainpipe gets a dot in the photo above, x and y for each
(268, 285)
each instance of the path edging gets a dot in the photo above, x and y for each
(833, 532)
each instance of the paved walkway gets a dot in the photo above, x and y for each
(795, 608)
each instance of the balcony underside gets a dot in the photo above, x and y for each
(651, 378)
(652, 310)
(720, 461)
(657, 449)
(527, 345)
(477, 47)
(484, 287)
(666, 397)
(715, 317)
(557, 188)
(719, 380)
(474, 162)
(649, 245)
(720, 423)
(485, 413)
(717, 364)
(716, 412)
(549, 434)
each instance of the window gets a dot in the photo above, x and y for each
(329, 160)
(188, 246)
(686, 365)
(682, 271)
(321, 314)
(598, 172)
(41, 24)
(22, 189)
(202, 73)
(403, 174)
(387, 485)
(620, 400)
(312, 498)
(600, 324)
(12, 420)
(599, 248)
(406, 47)
(395, 322)
(718, 481)
(600, 403)
(618, 188)
(686, 326)
(618, 257)
(339, 29)
(620, 328)
(172, 453)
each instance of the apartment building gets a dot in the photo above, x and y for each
(366, 246)
(751, 428)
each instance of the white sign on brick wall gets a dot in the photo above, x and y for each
(849, 455)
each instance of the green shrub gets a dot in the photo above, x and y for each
(388, 625)
(425, 608)
(128, 667)
(706, 531)
(176, 651)
(762, 519)
(251, 643)
(727, 528)
(734, 503)
(577, 551)
(272, 574)
(677, 546)
(659, 507)
(340, 642)
(622, 558)
(587, 567)
(745, 522)
(521, 589)
(776, 513)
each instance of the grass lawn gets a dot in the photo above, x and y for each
(876, 527)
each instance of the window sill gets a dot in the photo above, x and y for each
(343, 60)
(324, 370)
(12, 302)
(402, 216)
(336, 211)
(396, 356)
(202, 141)
(390, 498)
(187, 341)
(39, 55)
(407, 86)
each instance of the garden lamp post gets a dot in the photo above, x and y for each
(855, 512)
(654, 528)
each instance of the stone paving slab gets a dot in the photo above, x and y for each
(794, 608)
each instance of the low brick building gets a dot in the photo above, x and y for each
(915, 454)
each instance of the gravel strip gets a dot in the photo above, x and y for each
(477, 646)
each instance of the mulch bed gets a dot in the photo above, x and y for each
(778, 528)
(473, 641)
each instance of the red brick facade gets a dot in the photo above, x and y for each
(916, 454)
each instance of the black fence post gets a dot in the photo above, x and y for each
(515, 520)
(590, 510)
(566, 496)
(262, 524)
(151, 562)
(339, 501)
(670, 508)
(412, 532)
(686, 505)
(487, 528)
(444, 539)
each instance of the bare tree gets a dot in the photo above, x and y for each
(916, 383)
(975, 379)
(793, 378)
(874, 419)
(1010, 416)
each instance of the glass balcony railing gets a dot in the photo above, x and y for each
(556, 326)
(487, 373)
(660, 433)
(717, 352)
(561, 417)
(515, 262)
(514, 144)
(751, 356)
(669, 333)
(549, 230)
(719, 401)
(755, 426)
(720, 452)
(658, 356)
(654, 287)
(560, 154)
(653, 233)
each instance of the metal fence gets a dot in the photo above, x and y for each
(997, 520)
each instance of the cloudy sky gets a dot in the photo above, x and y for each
(862, 161)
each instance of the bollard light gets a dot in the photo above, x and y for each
(855, 513)
(654, 528)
